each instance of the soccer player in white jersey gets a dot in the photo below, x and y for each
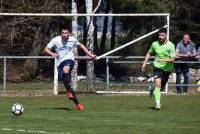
(64, 52)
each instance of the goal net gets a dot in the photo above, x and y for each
(126, 36)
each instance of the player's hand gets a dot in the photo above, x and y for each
(93, 57)
(54, 55)
(143, 68)
(160, 60)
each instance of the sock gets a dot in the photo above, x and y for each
(157, 95)
(67, 84)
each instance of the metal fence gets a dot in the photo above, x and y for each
(138, 60)
(5, 58)
(134, 60)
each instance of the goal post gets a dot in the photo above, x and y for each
(129, 43)
(55, 90)
(84, 15)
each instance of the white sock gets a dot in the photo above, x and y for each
(157, 102)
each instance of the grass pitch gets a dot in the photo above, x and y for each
(103, 115)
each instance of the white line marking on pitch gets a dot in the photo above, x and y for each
(31, 131)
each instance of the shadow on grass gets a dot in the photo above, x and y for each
(56, 108)
(153, 108)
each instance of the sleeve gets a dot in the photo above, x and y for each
(152, 50)
(178, 47)
(172, 51)
(76, 42)
(193, 48)
(198, 52)
(51, 44)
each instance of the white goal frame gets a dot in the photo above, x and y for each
(55, 90)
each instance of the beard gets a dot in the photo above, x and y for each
(162, 40)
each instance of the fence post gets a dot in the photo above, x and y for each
(4, 76)
(107, 73)
(55, 89)
(168, 23)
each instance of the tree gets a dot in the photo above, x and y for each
(113, 30)
(107, 5)
(75, 33)
(31, 65)
(29, 35)
(184, 18)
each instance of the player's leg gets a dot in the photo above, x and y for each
(67, 82)
(151, 86)
(67, 67)
(157, 93)
(160, 84)
(164, 80)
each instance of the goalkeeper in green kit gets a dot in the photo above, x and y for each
(164, 52)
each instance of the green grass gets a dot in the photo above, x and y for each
(46, 85)
(112, 114)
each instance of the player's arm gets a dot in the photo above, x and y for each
(48, 49)
(87, 52)
(167, 60)
(49, 52)
(147, 57)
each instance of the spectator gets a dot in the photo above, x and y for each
(198, 57)
(185, 50)
(198, 54)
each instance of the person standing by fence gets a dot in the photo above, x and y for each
(185, 50)
(198, 58)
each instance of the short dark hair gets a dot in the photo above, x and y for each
(163, 30)
(65, 28)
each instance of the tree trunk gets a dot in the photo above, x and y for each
(105, 27)
(95, 35)
(113, 33)
(90, 46)
(75, 34)
(103, 38)
(31, 65)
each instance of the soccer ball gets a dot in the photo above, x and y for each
(17, 109)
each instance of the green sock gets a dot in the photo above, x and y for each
(157, 94)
